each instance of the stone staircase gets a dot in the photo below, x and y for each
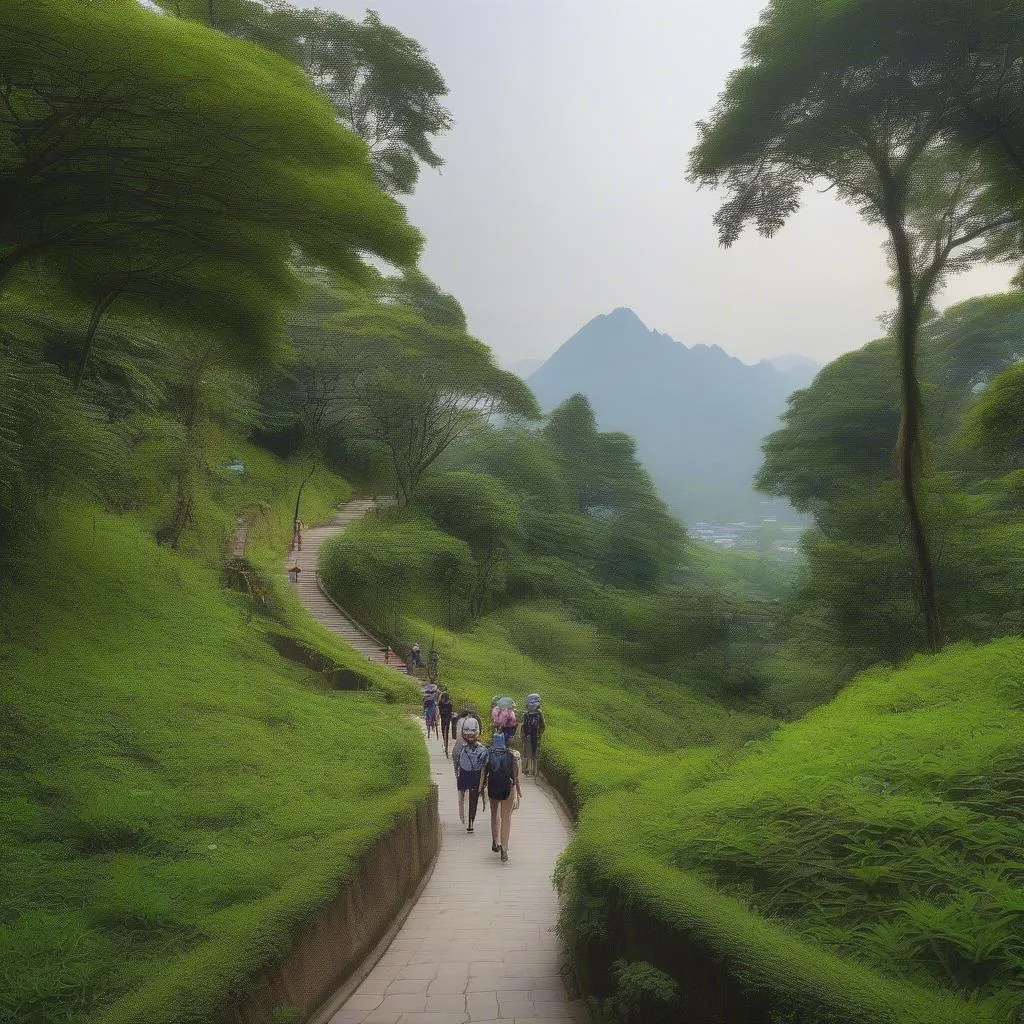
(312, 595)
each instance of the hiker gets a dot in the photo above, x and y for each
(501, 777)
(445, 710)
(430, 709)
(297, 536)
(293, 573)
(503, 717)
(469, 765)
(417, 658)
(533, 729)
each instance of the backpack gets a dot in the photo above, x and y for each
(531, 723)
(499, 774)
(533, 702)
(429, 702)
(503, 718)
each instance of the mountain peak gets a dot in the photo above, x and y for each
(697, 413)
(625, 314)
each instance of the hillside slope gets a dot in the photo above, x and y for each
(175, 795)
(861, 864)
(698, 415)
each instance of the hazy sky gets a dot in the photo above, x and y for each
(563, 194)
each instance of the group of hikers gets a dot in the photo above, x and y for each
(486, 771)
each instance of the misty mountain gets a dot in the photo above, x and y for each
(698, 414)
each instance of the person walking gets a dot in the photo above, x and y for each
(445, 710)
(430, 711)
(501, 779)
(469, 767)
(533, 730)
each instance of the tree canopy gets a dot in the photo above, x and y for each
(147, 171)
(815, 102)
(417, 381)
(379, 82)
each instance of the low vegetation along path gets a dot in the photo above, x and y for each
(480, 943)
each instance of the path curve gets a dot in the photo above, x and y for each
(479, 945)
(316, 601)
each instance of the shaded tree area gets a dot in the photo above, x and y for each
(819, 100)
(163, 208)
(379, 82)
(833, 459)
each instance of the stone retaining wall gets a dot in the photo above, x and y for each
(329, 947)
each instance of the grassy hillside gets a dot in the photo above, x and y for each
(859, 865)
(609, 726)
(175, 794)
(862, 864)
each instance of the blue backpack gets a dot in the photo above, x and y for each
(499, 774)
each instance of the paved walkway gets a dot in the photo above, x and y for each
(480, 944)
(319, 605)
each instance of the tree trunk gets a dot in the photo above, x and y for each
(298, 497)
(99, 310)
(909, 442)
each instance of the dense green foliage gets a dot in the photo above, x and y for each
(380, 83)
(148, 233)
(816, 101)
(878, 834)
(832, 458)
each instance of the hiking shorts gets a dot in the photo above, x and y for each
(468, 780)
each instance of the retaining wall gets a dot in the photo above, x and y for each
(331, 945)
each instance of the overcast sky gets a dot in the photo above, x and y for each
(563, 194)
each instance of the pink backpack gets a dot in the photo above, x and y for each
(503, 718)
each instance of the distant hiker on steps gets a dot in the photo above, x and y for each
(469, 766)
(297, 536)
(501, 777)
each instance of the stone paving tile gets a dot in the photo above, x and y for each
(480, 943)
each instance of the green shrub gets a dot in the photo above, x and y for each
(643, 995)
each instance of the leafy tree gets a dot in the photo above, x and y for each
(600, 468)
(994, 425)
(416, 386)
(183, 170)
(813, 103)
(380, 83)
(479, 509)
(831, 458)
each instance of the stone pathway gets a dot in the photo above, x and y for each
(320, 606)
(480, 943)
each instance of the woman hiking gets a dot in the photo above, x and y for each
(533, 730)
(469, 763)
(501, 777)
